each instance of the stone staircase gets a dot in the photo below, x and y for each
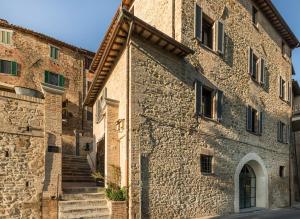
(75, 169)
(81, 198)
(84, 202)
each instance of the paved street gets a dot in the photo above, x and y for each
(293, 213)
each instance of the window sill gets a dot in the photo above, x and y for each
(208, 48)
(258, 83)
(207, 174)
(209, 119)
(254, 133)
(286, 101)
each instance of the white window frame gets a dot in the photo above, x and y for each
(58, 54)
(11, 37)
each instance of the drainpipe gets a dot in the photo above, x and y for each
(127, 105)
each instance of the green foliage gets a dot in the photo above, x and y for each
(97, 176)
(115, 193)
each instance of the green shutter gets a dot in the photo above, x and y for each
(61, 81)
(1, 65)
(8, 37)
(14, 68)
(46, 77)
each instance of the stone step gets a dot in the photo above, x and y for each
(67, 178)
(69, 173)
(77, 190)
(75, 166)
(86, 216)
(82, 204)
(84, 211)
(83, 196)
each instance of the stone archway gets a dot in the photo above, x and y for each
(257, 164)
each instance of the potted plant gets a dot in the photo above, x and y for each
(98, 178)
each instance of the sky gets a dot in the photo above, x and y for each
(83, 23)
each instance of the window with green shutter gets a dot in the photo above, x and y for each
(54, 79)
(54, 52)
(8, 67)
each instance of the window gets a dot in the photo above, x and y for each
(210, 33)
(54, 52)
(256, 67)
(283, 132)
(8, 67)
(209, 102)
(254, 121)
(5, 37)
(100, 104)
(284, 90)
(206, 164)
(54, 79)
(281, 171)
(254, 15)
(89, 115)
(207, 32)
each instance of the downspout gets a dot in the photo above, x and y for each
(127, 105)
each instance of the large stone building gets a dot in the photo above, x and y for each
(29, 58)
(192, 100)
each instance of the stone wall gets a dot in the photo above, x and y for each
(167, 140)
(22, 153)
(33, 56)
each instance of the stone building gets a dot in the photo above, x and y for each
(29, 58)
(192, 100)
(42, 85)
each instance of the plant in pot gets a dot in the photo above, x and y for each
(98, 178)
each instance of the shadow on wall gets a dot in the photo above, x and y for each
(181, 139)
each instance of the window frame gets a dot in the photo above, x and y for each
(254, 16)
(257, 124)
(60, 82)
(57, 50)
(11, 36)
(206, 160)
(13, 69)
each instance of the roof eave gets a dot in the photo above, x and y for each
(119, 36)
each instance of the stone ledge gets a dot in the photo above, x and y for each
(21, 97)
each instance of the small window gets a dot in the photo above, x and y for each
(283, 132)
(207, 103)
(254, 15)
(54, 79)
(207, 32)
(54, 52)
(282, 88)
(256, 68)
(206, 164)
(281, 171)
(254, 121)
(89, 115)
(5, 37)
(8, 67)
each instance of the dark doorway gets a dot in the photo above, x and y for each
(100, 163)
(247, 188)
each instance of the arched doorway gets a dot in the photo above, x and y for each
(247, 187)
(251, 178)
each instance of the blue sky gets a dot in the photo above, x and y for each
(84, 22)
